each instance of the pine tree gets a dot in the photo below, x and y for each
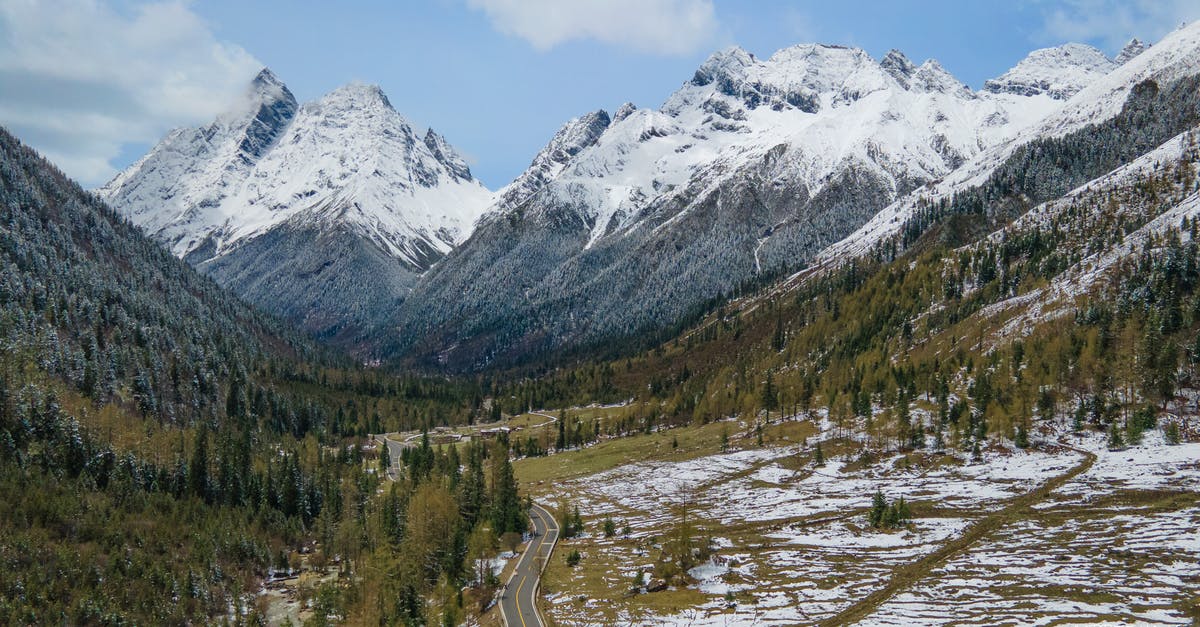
(878, 509)
(770, 396)
(1114, 437)
(198, 467)
(890, 518)
(576, 520)
(818, 456)
(385, 458)
(1022, 438)
(903, 513)
(1171, 433)
(506, 503)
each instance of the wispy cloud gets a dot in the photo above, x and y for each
(81, 79)
(1111, 23)
(667, 27)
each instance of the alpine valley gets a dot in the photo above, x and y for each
(823, 338)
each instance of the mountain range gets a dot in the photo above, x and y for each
(337, 214)
(802, 287)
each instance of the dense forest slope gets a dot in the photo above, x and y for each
(164, 446)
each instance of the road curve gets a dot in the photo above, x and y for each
(394, 450)
(518, 600)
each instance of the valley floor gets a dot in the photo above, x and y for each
(1066, 532)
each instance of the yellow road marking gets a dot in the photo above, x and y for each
(520, 613)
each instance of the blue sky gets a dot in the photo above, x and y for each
(496, 77)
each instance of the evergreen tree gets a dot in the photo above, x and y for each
(1022, 438)
(818, 456)
(1114, 437)
(770, 396)
(385, 458)
(198, 467)
(1171, 433)
(878, 509)
(506, 503)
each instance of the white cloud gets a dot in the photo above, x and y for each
(80, 79)
(1111, 23)
(670, 27)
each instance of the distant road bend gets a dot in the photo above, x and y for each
(518, 602)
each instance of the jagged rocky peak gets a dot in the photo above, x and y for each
(1131, 50)
(357, 95)
(1058, 72)
(931, 77)
(571, 139)
(819, 67)
(724, 67)
(575, 135)
(271, 108)
(898, 66)
(266, 82)
(446, 155)
(623, 112)
(792, 78)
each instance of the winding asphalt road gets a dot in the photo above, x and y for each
(518, 603)
(394, 449)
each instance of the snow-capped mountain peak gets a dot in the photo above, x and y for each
(623, 112)
(1131, 50)
(267, 84)
(573, 137)
(359, 96)
(931, 77)
(347, 158)
(723, 65)
(898, 66)
(446, 154)
(1059, 72)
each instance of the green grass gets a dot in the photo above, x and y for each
(539, 473)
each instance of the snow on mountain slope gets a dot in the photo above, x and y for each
(749, 167)
(1175, 57)
(1059, 72)
(193, 169)
(324, 213)
(831, 107)
(1123, 190)
(574, 136)
(348, 158)
(1131, 50)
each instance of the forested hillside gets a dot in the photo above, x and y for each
(992, 312)
(163, 446)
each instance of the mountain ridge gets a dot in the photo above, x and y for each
(748, 168)
(290, 204)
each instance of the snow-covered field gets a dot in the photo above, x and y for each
(1117, 542)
